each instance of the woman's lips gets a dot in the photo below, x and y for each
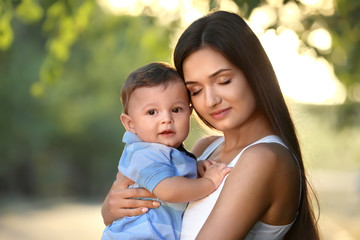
(220, 113)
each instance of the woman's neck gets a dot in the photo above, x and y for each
(236, 139)
(255, 128)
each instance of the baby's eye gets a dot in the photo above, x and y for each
(177, 110)
(151, 112)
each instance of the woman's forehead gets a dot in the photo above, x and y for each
(205, 63)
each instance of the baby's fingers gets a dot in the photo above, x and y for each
(225, 170)
(202, 165)
(222, 168)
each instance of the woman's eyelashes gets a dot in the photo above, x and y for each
(195, 91)
(225, 82)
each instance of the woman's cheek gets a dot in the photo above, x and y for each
(196, 103)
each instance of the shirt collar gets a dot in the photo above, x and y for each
(130, 138)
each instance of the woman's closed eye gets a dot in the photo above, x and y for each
(225, 82)
(194, 92)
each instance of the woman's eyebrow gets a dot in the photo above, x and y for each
(219, 71)
(189, 83)
(210, 76)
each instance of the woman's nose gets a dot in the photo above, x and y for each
(211, 97)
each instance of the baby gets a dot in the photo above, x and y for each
(157, 121)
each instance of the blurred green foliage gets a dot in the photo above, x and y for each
(62, 64)
(344, 27)
(63, 21)
(67, 139)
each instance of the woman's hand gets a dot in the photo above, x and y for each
(120, 200)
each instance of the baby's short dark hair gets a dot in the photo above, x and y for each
(150, 75)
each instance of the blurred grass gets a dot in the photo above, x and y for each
(55, 219)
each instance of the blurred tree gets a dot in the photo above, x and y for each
(67, 140)
(63, 21)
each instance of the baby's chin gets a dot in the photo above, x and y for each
(171, 144)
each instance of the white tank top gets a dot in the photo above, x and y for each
(197, 212)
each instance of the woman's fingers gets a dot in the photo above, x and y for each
(126, 193)
(122, 201)
(132, 211)
(138, 203)
(121, 184)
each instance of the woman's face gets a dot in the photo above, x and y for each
(219, 91)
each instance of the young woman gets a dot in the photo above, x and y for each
(234, 90)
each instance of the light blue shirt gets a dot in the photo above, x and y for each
(147, 164)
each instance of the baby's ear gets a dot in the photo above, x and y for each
(127, 122)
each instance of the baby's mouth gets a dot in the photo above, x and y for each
(167, 132)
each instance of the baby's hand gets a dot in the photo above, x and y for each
(202, 165)
(216, 172)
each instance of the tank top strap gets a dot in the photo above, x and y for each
(211, 148)
(267, 139)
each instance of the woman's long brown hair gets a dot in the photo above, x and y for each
(228, 34)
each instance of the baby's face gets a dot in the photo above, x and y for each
(161, 114)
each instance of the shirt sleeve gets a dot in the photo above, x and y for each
(147, 164)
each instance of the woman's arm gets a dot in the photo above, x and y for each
(263, 186)
(119, 202)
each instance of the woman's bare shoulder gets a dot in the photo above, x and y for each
(267, 156)
(201, 144)
(269, 153)
(271, 161)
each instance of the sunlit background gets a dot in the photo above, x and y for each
(62, 64)
(303, 75)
